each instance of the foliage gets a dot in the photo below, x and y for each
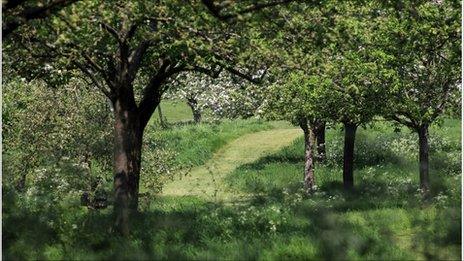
(18, 13)
(383, 156)
(129, 51)
(91, 39)
(337, 73)
(424, 38)
(54, 138)
(349, 62)
(299, 97)
(227, 96)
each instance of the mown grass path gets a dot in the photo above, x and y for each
(207, 181)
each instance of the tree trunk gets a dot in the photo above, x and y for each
(309, 179)
(348, 155)
(195, 111)
(319, 133)
(161, 118)
(196, 115)
(423, 132)
(127, 158)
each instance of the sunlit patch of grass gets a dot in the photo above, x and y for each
(173, 111)
(196, 143)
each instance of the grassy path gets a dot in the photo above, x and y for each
(207, 181)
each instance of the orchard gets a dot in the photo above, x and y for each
(285, 129)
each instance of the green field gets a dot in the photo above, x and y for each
(174, 111)
(243, 201)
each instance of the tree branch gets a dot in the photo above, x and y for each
(94, 80)
(213, 72)
(135, 59)
(441, 106)
(112, 31)
(154, 89)
(31, 13)
(131, 32)
(217, 9)
(250, 78)
(11, 4)
(232, 70)
(99, 69)
(404, 121)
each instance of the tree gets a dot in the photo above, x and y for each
(359, 84)
(227, 96)
(337, 48)
(129, 51)
(424, 37)
(300, 99)
(359, 72)
(197, 91)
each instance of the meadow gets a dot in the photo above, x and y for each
(262, 213)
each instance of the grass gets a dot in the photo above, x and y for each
(174, 111)
(192, 146)
(206, 180)
(383, 218)
(195, 144)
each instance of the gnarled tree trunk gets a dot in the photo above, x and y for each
(193, 104)
(309, 179)
(423, 132)
(319, 133)
(348, 155)
(128, 133)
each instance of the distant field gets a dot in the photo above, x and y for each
(174, 111)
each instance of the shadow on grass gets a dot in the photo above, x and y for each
(382, 218)
(331, 224)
